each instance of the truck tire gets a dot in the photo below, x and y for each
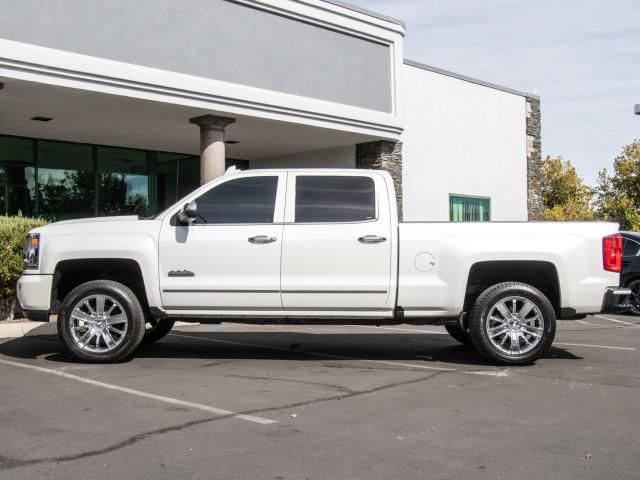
(459, 334)
(512, 323)
(101, 321)
(635, 297)
(157, 329)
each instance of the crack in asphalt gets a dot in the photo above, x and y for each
(9, 463)
(291, 380)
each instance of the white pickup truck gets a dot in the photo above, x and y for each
(316, 246)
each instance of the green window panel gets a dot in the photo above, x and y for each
(464, 208)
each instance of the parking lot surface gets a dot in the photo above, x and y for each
(323, 402)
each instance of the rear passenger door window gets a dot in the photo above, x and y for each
(334, 199)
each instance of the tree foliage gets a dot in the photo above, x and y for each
(618, 194)
(12, 234)
(564, 194)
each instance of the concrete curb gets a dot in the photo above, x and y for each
(17, 329)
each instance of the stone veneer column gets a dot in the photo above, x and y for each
(534, 158)
(212, 149)
(383, 155)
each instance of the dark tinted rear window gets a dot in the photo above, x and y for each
(329, 199)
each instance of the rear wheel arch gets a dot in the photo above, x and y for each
(542, 275)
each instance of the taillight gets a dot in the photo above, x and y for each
(612, 253)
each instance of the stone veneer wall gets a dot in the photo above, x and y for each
(383, 155)
(534, 158)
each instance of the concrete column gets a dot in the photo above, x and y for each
(383, 155)
(212, 155)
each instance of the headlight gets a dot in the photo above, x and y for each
(32, 251)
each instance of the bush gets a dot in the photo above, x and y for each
(12, 234)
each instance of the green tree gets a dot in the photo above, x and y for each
(618, 194)
(564, 194)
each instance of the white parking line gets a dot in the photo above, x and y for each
(495, 373)
(138, 393)
(409, 330)
(593, 346)
(584, 322)
(617, 321)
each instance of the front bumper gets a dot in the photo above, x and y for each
(616, 299)
(34, 296)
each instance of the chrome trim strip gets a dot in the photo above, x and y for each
(279, 309)
(334, 291)
(197, 290)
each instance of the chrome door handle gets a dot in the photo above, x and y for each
(262, 239)
(372, 239)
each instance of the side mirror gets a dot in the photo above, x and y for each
(188, 214)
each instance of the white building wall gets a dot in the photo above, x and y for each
(462, 138)
(339, 157)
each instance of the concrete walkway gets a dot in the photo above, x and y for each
(16, 329)
(20, 328)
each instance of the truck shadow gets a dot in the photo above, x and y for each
(417, 348)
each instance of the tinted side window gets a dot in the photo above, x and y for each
(630, 248)
(334, 199)
(243, 200)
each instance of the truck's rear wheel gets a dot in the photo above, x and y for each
(459, 334)
(157, 328)
(512, 324)
(101, 321)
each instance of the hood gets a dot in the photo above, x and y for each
(123, 218)
(129, 224)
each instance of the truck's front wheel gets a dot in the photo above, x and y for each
(101, 321)
(512, 324)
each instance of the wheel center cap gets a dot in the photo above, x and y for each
(515, 323)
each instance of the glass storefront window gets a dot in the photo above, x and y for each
(123, 182)
(66, 182)
(63, 180)
(177, 176)
(17, 176)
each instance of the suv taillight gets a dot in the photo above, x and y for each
(612, 253)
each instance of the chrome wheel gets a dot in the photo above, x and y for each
(515, 325)
(98, 323)
(634, 298)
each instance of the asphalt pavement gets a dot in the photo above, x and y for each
(323, 402)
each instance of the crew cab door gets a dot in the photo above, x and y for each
(336, 252)
(229, 258)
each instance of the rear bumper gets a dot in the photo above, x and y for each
(616, 299)
(34, 296)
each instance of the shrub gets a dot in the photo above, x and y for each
(12, 234)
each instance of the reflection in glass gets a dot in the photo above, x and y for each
(123, 182)
(177, 176)
(17, 192)
(80, 180)
(65, 180)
